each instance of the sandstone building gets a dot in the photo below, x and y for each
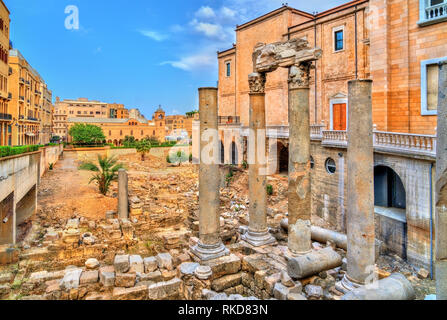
(5, 114)
(395, 43)
(30, 105)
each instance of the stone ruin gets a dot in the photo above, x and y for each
(253, 263)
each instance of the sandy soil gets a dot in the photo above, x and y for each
(67, 191)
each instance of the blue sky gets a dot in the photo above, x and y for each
(142, 53)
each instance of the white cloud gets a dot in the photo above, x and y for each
(154, 35)
(176, 28)
(196, 61)
(210, 30)
(205, 13)
(227, 13)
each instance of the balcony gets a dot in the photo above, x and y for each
(21, 98)
(433, 13)
(21, 80)
(32, 119)
(9, 95)
(224, 120)
(5, 116)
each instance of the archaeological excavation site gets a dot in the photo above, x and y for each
(206, 230)
(314, 170)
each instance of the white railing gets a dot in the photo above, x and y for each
(335, 138)
(316, 131)
(405, 142)
(436, 12)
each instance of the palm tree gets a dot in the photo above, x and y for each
(106, 171)
(143, 147)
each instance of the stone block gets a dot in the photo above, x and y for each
(188, 268)
(89, 277)
(136, 264)
(71, 279)
(6, 277)
(280, 291)
(167, 275)
(270, 281)
(164, 261)
(295, 296)
(151, 276)
(107, 276)
(224, 265)
(165, 290)
(125, 280)
(226, 282)
(313, 292)
(121, 263)
(135, 293)
(150, 264)
(8, 255)
(92, 264)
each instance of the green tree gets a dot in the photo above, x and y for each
(143, 147)
(86, 134)
(106, 171)
(129, 141)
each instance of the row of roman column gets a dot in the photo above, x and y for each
(360, 162)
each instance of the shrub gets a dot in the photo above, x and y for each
(244, 165)
(269, 189)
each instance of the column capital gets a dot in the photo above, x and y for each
(256, 81)
(299, 75)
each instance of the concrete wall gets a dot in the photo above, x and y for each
(19, 178)
(49, 155)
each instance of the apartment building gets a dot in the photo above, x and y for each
(5, 96)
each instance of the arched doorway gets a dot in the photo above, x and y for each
(234, 154)
(222, 153)
(390, 208)
(283, 158)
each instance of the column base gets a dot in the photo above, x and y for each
(346, 285)
(293, 254)
(258, 239)
(207, 252)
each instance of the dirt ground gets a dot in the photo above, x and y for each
(66, 190)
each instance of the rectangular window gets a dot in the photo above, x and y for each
(430, 86)
(228, 65)
(338, 38)
(432, 11)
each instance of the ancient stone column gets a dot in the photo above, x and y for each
(123, 194)
(258, 233)
(299, 161)
(210, 245)
(441, 187)
(360, 211)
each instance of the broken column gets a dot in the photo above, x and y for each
(441, 187)
(395, 287)
(360, 213)
(258, 233)
(123, 194)
(210, 245)
(299, 161)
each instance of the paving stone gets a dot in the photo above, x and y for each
(89, 277)
(165, 290)
(125, 280)
(164, 261)
(150, 264)
(121, 263)
(136, 264)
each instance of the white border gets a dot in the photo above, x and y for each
(331, 110)
(424, 64)
(335, 29)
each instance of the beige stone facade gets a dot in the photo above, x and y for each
(5, 114)
(30, 103)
